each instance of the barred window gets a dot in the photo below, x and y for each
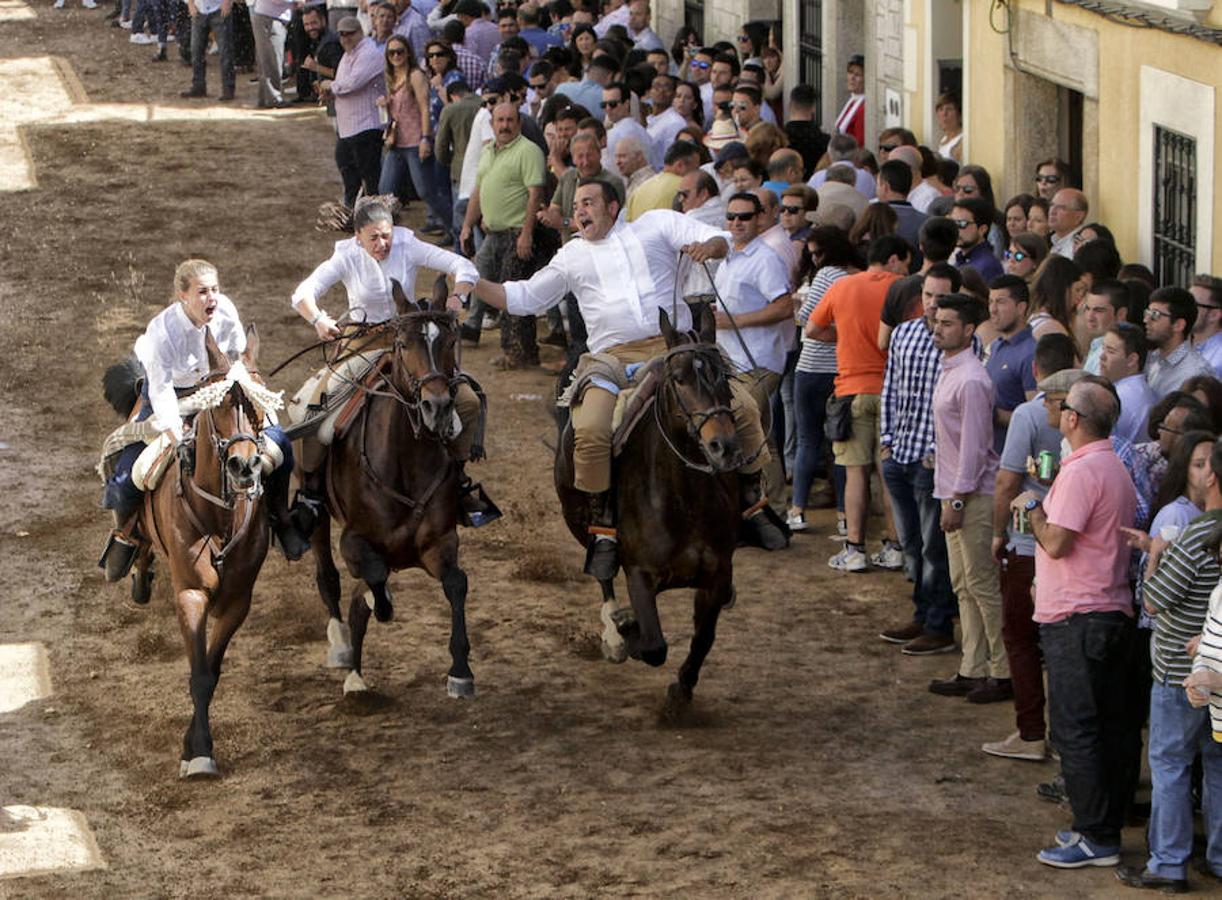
(1175, 210)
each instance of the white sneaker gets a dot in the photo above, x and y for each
(1014, 747)
(796, 521)
(849, 560)
(841, 533)
(125, 23)
(891, 557)
(169, 38)
(141, 38)
(59, 4)
(88, 4)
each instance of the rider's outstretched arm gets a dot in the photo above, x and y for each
(490, 292)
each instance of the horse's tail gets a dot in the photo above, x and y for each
(121, 385)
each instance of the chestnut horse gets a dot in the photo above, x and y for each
(392, 482)
(676, 492)
(207, 520)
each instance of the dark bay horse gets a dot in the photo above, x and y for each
(206, 519)
(393, 484)
(677, 496)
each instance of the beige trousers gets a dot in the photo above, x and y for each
(592, 414)
(761, 384)
(974, 576)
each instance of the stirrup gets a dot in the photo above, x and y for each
(118, 556)
(475, 507)
(602, 556)
(305, 513)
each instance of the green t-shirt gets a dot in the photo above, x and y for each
(504, 178)
(566, 190)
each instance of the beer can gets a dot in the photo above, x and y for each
(1022, 524)
(1047, 465)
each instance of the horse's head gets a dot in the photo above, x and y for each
(234, 422)
(426, 358)
(696, 383)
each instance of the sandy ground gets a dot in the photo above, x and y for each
(814, 762)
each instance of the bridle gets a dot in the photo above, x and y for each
(248, 430)
(706, 355)
(419, 322)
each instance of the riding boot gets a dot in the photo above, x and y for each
(122, 547)
(292, 542)
(475, 508)
(762, 527)
(602, 553)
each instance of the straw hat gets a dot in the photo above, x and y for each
(723, 132)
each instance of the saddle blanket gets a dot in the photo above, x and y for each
(316, 409)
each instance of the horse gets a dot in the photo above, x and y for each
(206, 519)
(393, 484)
(676, 492)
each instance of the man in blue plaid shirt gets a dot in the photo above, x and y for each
(907, 438)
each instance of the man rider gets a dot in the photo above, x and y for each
(622, 273)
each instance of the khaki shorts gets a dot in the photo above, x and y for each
(862, 448)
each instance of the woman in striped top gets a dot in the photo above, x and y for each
(828, 256)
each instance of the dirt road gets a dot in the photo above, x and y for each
(815, 762)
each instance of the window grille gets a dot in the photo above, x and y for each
(1175, 210)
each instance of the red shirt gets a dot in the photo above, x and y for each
(854, 304)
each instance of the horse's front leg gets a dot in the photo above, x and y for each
(197, 761)
(326, 576)
(364, 563)
(650, 645)
(709, 603)
(442, 563)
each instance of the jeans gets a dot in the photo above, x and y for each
(359, 159)
(785, 433)
(488, 261)
(222, 27)
(1022, 638)
(269, 34)
(435, 191)
(155, 14)
(401, 164)
(810, 393)
(1177, 733)
(1087, 656)
(918, 525)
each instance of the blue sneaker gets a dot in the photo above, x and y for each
(1082, 852)
(1067, 837)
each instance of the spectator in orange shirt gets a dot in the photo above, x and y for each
(849, 317)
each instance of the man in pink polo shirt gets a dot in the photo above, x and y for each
(1085, 609)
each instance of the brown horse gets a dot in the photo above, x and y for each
(677, 496)
(206, 519)
(392, 482)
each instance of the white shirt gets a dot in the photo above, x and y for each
(647, 40)
(712, 213)
(789, 250)
(748, 280)
(622, 129)
(481, 133)
(173, 353)
(615, 17)
(367, 281)
(1063, 246)
(621, 281)
(922, 195)
(706, 97)
(663, 128)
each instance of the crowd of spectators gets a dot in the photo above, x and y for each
(1036, 418)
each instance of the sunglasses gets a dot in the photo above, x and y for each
(437, 55)
(1047, 179)
(792, 210)
(740, 106)
(965, 188)
(347, 33)
(700, 64)
(540, 86)
(1065, 407)
(396, 51)
(743, 39)
(491, 102)
(886, 148)
(610, 104)
(740, 217)
(962, 223)
(1016, 255)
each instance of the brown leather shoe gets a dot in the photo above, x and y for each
(903, 634)
(1141, 878)
(992, 690)
(929, 644)
(956, 686)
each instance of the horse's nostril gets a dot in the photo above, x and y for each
(716, 447)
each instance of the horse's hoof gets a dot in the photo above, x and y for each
(678, 694)
(654, 656)
(339, 653)
(460, 688)
(383, 610)
(615, 653)
(199, 767)
(354, 683)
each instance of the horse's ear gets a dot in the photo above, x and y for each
(706, 326)
(217, 361)
(250, 355)
(668, 330)
(402, 304)
(441, 292)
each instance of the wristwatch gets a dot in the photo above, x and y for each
(1032, 504)
(957, 505)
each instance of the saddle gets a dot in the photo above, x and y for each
(329, 401)
(634, 403)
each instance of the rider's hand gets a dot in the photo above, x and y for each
(326, 329)
(699, 252)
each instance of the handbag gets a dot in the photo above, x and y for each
(839, 423)
(388, 134)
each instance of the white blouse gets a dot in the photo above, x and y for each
(367, 281)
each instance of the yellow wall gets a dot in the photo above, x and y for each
(1122, 52)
